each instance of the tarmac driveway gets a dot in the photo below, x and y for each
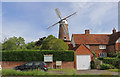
(99, 72)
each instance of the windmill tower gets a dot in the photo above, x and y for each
(63, 26)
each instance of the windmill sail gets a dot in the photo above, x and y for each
(69, 15)
(58, 13)
(53, 25)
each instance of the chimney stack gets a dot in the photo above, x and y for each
(114, 30)
(87, 32)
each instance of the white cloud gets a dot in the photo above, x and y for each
(98, 14)
(91, 15)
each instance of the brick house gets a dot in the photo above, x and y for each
(85, 45)
(101, 44)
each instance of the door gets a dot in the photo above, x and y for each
(83, 62)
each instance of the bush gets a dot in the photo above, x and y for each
(100, 58)
(113, 61)
(106, 66)
(112, 54)
(34, 55)
(92, 65)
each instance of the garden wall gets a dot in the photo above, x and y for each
(12, 64)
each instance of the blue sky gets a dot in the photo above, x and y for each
(30, 19)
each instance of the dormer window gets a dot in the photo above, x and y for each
(102, 46)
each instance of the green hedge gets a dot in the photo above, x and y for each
(33, 55)
(112, 61)
(106, 66)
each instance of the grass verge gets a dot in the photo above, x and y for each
(11, 72)
(114, 70)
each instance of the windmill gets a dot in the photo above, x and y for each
(63, 25)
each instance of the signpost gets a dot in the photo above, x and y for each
(58, 63)
(48, 58)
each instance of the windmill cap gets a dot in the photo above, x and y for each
(64, 21)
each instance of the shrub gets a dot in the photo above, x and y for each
(118, 54)
(92, 65)
(100, 58)
(34, 55)
(113, 61)
(112, 54)
(106, 66)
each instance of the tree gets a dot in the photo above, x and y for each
(30, 45)
(52, 43)
(14, 43)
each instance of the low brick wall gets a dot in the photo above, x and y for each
(12, 64)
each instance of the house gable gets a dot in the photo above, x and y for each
(83, 50)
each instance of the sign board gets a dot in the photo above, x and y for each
(48, 58)
(58, 63)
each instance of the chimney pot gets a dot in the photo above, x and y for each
(114, 30)
(87, 32)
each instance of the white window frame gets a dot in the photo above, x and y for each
(102, 46)
(103, 54)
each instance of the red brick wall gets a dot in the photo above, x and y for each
(12, 64)
(111, 48)
(94, 47)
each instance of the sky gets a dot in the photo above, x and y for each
(30, 19)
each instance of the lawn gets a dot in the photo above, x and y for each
(72, 72)
(37, 72)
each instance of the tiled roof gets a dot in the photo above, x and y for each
(114, 37)
(91, 38)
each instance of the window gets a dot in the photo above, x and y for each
(103, 54)
(29, 64)
(37, 63)
(65, 38)
(102, 46)
(87, 46)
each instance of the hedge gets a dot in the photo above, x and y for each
(112, 61)
(106, 66)
(34, 55)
